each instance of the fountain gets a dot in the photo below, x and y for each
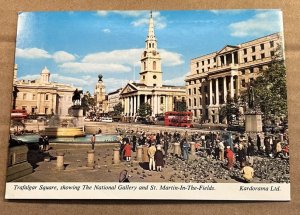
(66, 126)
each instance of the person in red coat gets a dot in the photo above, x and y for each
(230, 158)
(127, 151)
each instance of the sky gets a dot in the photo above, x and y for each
(77, 46)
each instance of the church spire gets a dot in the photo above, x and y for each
(151, 40)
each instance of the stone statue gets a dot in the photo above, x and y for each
(251, 97)
(100, 77)
(76, 98)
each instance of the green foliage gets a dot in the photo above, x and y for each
(118, 109)
(87, 102)
(270, 88)
(145, 109)
(230, 111)
(180, 106)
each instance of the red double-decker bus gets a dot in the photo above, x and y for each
(19, 114)
(179, 119)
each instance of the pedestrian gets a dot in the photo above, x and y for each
(127, 151)
(93, 141)
(185, 150)
(248, 173)
(99, 131)
(278, 149)
(258, 142)
(242, 155)
(151, 153)
(41, 143)
(159, 159)
(230, 158)
(134, 143)
(166, 145)
(46, 143)
(221, 150)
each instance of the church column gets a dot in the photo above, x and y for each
(155, 104)
(138, 102)
(166, 105)
(54, 107)
(210, 92)
(225, 63)
(232, 57)
(225, 89)
(237, 86)
(131, 105)
(134, 105)
(217, 91)
(231, 87)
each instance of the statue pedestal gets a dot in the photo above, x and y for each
(253, 122)
(76, 111)
(18, 165)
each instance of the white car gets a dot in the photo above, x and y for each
(107, 119)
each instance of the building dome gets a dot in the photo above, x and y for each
(45, 71)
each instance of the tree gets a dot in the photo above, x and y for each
(87, 102)
(118, 109)
(145, 109)
(269, 88)
(180, 106)
(15, 94)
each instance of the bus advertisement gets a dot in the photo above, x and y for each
(179, 119)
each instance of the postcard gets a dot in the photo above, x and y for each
(174, 105)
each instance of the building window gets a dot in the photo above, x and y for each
(205, 89)
(245, 60)
(253, 58)
(190, 103)
(253, 48)
(195, 91)
(195, 113)
(154, 65)
(161, 100)
(262, 46)
(152, 45)
(154, 77)
(200, 100)
(202, 63)
(145, 67)
(208, 68)
(32, 110)
(154, 85)
(262, 56)
(208, 61)
(272, 53)
(197, 71)
(197, 64)
(271, 44)
(47, 97)
(143, 77)
(149, 45)
(243, 83)
(245, 51)
(46, 110)
(23, 107)
(24, 96)
(251, 70)
(202, 70)
(195, 102)
(189, 91)
(243, 72)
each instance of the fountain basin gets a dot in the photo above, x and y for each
(53, 132)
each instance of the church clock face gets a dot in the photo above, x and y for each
(154, 77)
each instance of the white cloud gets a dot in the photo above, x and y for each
(62, 56)
(263, 22)
(141, 17)
(29, 77)
(218, 12)
(78, 67)
(179, 81)
(171, 58)
(106, 30)
(32, 53)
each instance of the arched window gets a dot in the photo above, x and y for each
(152, 45)
(145, 66)
(149, 45)
(154, 65)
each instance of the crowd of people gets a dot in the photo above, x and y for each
(232, 149)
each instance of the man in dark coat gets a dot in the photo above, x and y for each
(159, 158)
(133, 143)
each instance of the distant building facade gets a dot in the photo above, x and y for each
(225, 73)
(42, 96)
(113, 99)
(150, 89)
(100, 97)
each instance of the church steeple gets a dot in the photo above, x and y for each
(151, 74)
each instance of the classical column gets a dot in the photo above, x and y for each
(225, 89)
(237, 86)
(166, 105)
(225, 63)
(210, 92)
(131, 105)
(232, 57)
(218, 61)
(231, 87)
(155, 104)
(138, 102)
(134, 105)
(217, 91)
